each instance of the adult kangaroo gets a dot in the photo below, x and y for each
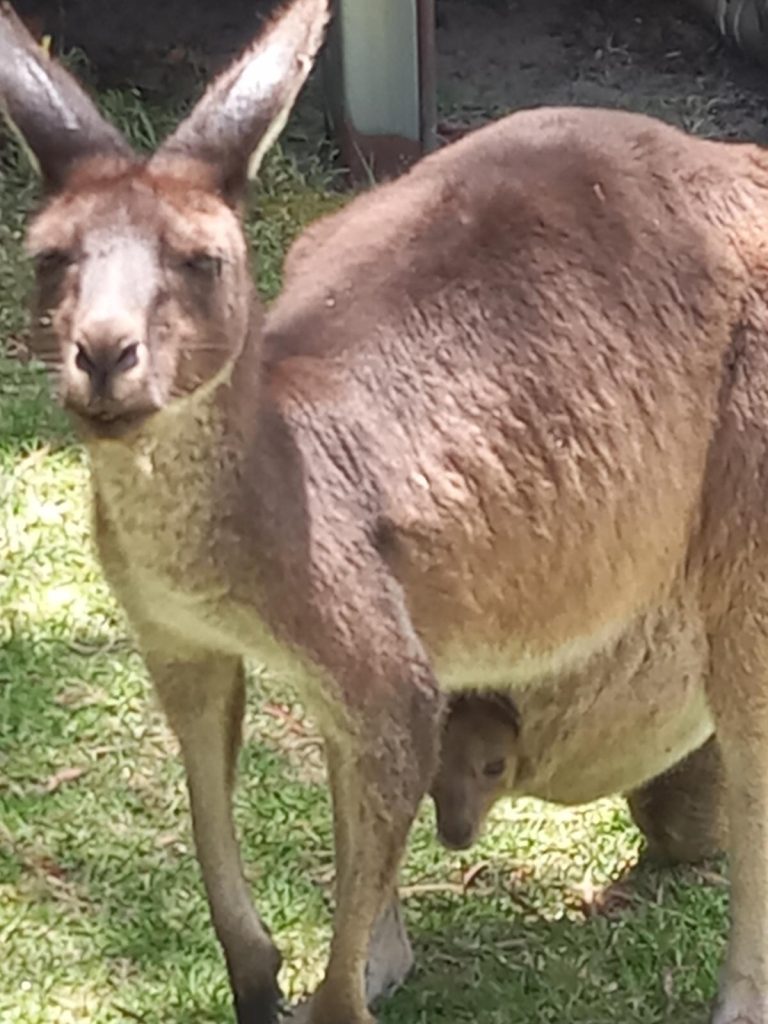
(508, 412)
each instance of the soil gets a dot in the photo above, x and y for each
(656, 56)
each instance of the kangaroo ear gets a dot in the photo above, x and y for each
(244, 110)
(494, 703)
(58, 123)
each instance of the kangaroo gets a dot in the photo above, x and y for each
(508, 414)
(487, 754)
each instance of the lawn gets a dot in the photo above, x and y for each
(102, 917)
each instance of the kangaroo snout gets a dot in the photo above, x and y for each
(101, 362)
(106, 381)
(101, 358)
(456, 833)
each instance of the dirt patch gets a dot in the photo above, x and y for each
(654, 56)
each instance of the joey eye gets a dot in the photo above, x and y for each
(50, 261)
(493, 769)
(203, 263)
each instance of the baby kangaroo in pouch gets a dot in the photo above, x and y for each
(487, 753)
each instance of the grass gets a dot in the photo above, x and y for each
(102, 917)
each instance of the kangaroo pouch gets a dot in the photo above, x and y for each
(624, 717)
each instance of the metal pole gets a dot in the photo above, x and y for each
(380, 81)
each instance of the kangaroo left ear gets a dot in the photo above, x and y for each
(244, 110)
(55, 119)
(503, 705)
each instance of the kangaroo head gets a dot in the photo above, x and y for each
(143, 280)
(478, 765)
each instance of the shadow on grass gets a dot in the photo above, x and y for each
(480, 959)
(29, 416)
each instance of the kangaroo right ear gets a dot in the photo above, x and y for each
(55, 119)
(244, 110)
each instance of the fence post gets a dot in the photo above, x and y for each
(380, 83)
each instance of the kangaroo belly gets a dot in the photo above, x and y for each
(623, 717)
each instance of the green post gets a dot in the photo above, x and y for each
(380, 80)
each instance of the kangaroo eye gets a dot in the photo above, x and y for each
(203, 263)
(494, 769)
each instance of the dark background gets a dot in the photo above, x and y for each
(138, 41)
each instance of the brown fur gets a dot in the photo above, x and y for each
(506, 420)
(488, 752)
(682, 813)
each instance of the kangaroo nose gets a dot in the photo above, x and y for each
(105, 350)
(456, 835)
(119, 358)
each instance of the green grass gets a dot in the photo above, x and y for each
(102, 917)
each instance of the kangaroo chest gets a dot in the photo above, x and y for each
(171, 553)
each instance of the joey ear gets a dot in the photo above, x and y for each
(244, 110)
(57, 121)
(504, 707)
(497, 704)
